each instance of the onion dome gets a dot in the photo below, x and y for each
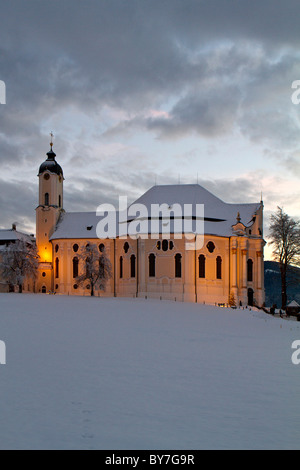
(51, 164)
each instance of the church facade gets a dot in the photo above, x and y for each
(226, 262)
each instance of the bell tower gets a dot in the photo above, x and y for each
(47, 214)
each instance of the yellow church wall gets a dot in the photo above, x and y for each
(189, 287)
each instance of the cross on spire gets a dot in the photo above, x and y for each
(51, 143)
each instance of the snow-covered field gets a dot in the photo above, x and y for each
(93, 373)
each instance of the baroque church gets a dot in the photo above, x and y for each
(228, 263)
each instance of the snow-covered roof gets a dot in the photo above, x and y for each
(11, 235)
(214, 208)
(293, 304)
(219, 217)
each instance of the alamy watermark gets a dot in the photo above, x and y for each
(2, 92)
(141, 221)
(296, 355)
(2, 353)
(296, 95)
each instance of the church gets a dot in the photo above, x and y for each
(227, 264)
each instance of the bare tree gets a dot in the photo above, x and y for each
(285, 238)
(96, 268)
(19, 260)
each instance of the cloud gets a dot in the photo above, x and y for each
(17, 202)
(103, 74)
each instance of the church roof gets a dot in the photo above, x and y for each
(219, 217)
(214, 208)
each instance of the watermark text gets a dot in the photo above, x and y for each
(296, 354)
(141, 221)
(296, 95)
(2, 92)
(2, 353)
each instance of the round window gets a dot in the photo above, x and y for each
(75, 247)
(46, 176)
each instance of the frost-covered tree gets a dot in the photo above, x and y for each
(19, 261)
(96, 268)
(285, 238)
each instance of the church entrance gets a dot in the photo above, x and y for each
(250, 297)
(44, 290)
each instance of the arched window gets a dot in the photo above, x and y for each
(178, 265)
(158, 245)
(56, 267)
(151, 265)
(75, 247)
(250, 270)
(59, 201)
(202, 266)
(126, 247)
(121, 267)
(75, 267)
(46, 199)
(101, 247)
(132, 265)
(219, 267)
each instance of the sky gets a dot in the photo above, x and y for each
(144, 92)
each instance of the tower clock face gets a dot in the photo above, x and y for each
(46, 176)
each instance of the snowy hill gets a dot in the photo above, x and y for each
(93, 373)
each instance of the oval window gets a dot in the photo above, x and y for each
(211, 247)
(165, 245)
